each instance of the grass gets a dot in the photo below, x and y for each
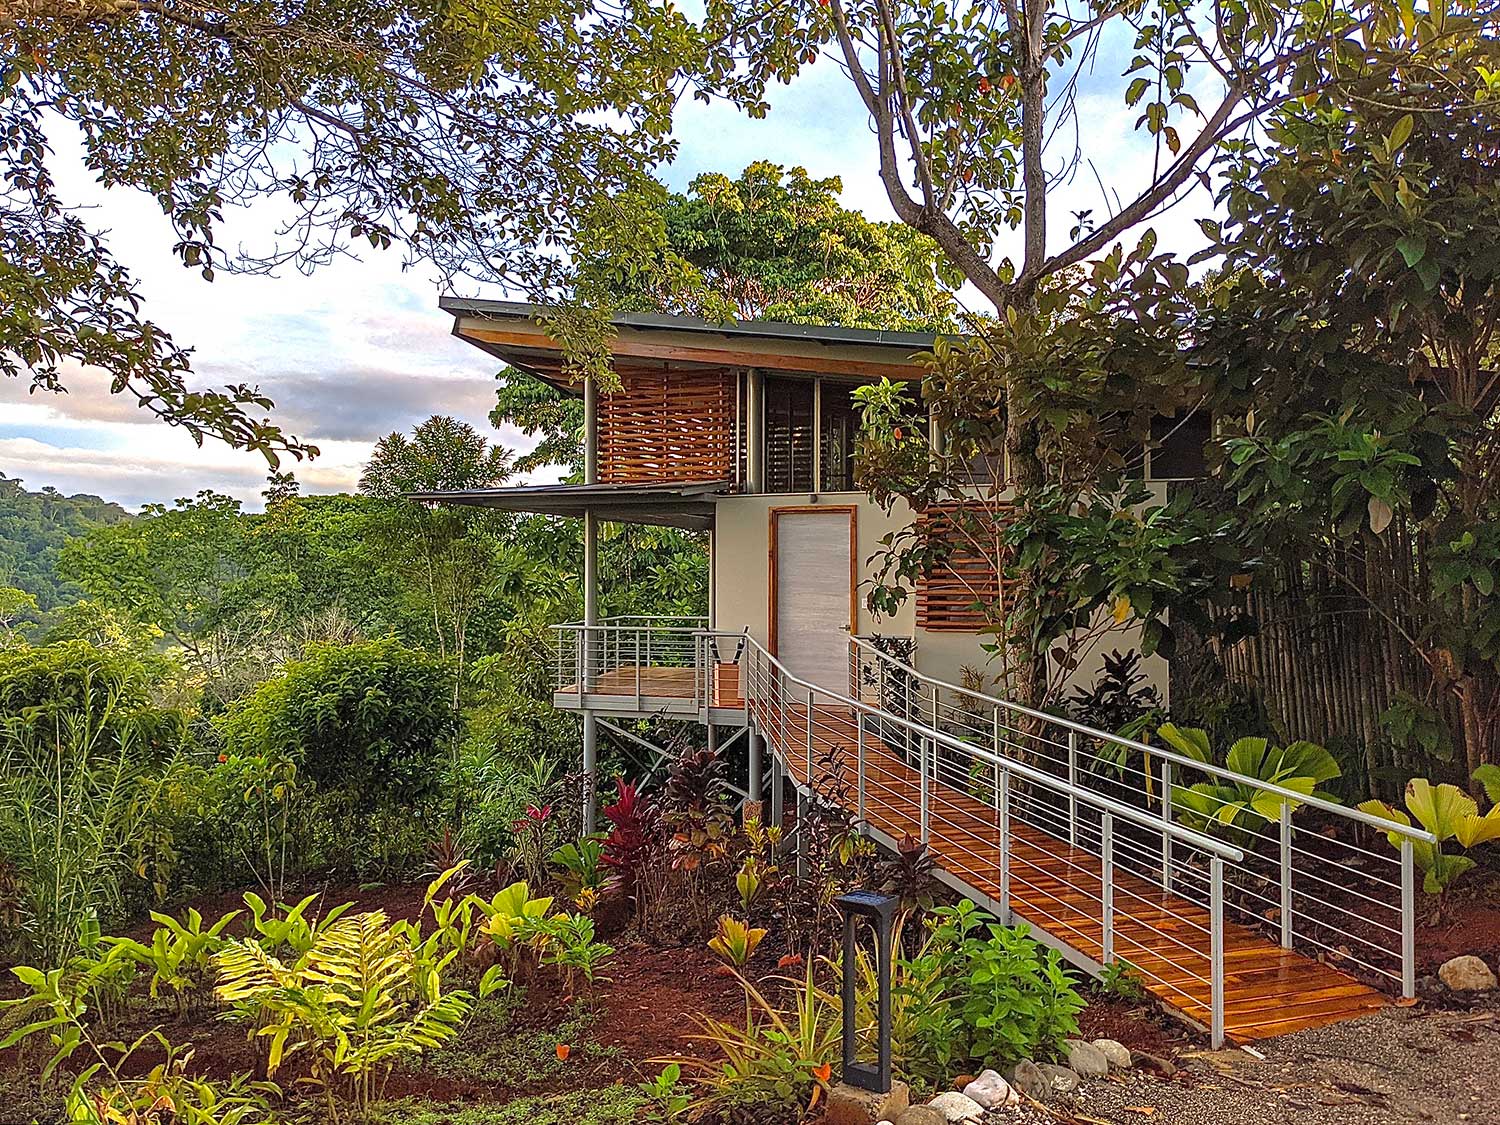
(612, 1105)
(491, 1049)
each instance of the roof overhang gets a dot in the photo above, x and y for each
(689, 506)
(516, 333)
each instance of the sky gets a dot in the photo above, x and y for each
(359, 348)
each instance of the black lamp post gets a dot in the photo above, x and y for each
(879, 910)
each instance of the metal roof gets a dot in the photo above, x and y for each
(763, 329)
(689, 506)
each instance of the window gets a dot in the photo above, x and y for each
(1177, 446)
(789, 433)
(839, 423)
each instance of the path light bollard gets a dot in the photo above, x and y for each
(879, 910)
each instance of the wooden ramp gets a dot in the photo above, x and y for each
(1057, 889)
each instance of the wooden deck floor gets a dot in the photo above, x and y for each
(1057, 888)
(665, 683)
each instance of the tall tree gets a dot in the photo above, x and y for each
(1356, 344)
(450, 545)
(773, 244)
(483, 137)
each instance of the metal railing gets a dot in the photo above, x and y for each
(666, 663)
(1101, 900)
(1007, 795)
(1346, 901)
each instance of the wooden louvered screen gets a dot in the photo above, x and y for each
(661, 426)
(950, 596)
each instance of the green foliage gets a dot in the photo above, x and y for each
(611, 1105)
(734, 941)
(775, 244)
(1299, 767)
(75, 802)
(349, 1006)
(1017, 1001)
(384, 134)
(499, 1043)
(1219, 802)
(1451, 815)
(180, 954)
(578, 865)
(782, 1056)
(33, 528)
(665, 1094)
(1123, 981)
(372, 717)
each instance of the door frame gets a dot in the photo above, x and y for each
(852, 511)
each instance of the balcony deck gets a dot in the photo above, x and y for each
(647, 690)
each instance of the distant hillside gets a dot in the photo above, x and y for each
(34, 526)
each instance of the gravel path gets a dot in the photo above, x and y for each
(1397, 1067)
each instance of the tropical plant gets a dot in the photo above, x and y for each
(633, 844)
(180, 954)
(168, 1088)
(579, 865)
(1222, 802)
(288, 926)
(669, 1102)
(350, 1006)
(570, 946)
(1018, 1001)
(1121, 701)
(515, 921)
(1123, 980)
(780, 1056)
(72, 807)
(1449, 814)
(909, 874)
(927, 1030)
(734, 941)
(370, 717)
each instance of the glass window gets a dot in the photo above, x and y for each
(839, 418)
(789, 433)
(1177, 446)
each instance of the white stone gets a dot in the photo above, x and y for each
(1466, 974)
(1116, 1052)
(990, 1090)
(957, 1107)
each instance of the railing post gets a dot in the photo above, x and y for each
(922, 754)
(1216, 951)
(859, 760)
(809, 738)
(1286, 874)
(638, 666)
(1408, 919)
(996, 714)
(1166, 825)
(778, 790)
(1003, 800)
(1107, 890)
(1073, 787)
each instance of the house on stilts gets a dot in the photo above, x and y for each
(746, 432)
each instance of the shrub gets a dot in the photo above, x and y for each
(1453, 817)
(368, 718)
(1299, 766)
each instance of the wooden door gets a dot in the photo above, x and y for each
(812, 592)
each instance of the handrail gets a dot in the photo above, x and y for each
(1162, 754)
(1107, 804)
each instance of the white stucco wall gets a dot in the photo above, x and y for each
(742, 587)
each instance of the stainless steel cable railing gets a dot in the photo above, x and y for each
(1347, 902)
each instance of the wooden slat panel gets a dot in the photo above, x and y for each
(662, 426)
(950, 595)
